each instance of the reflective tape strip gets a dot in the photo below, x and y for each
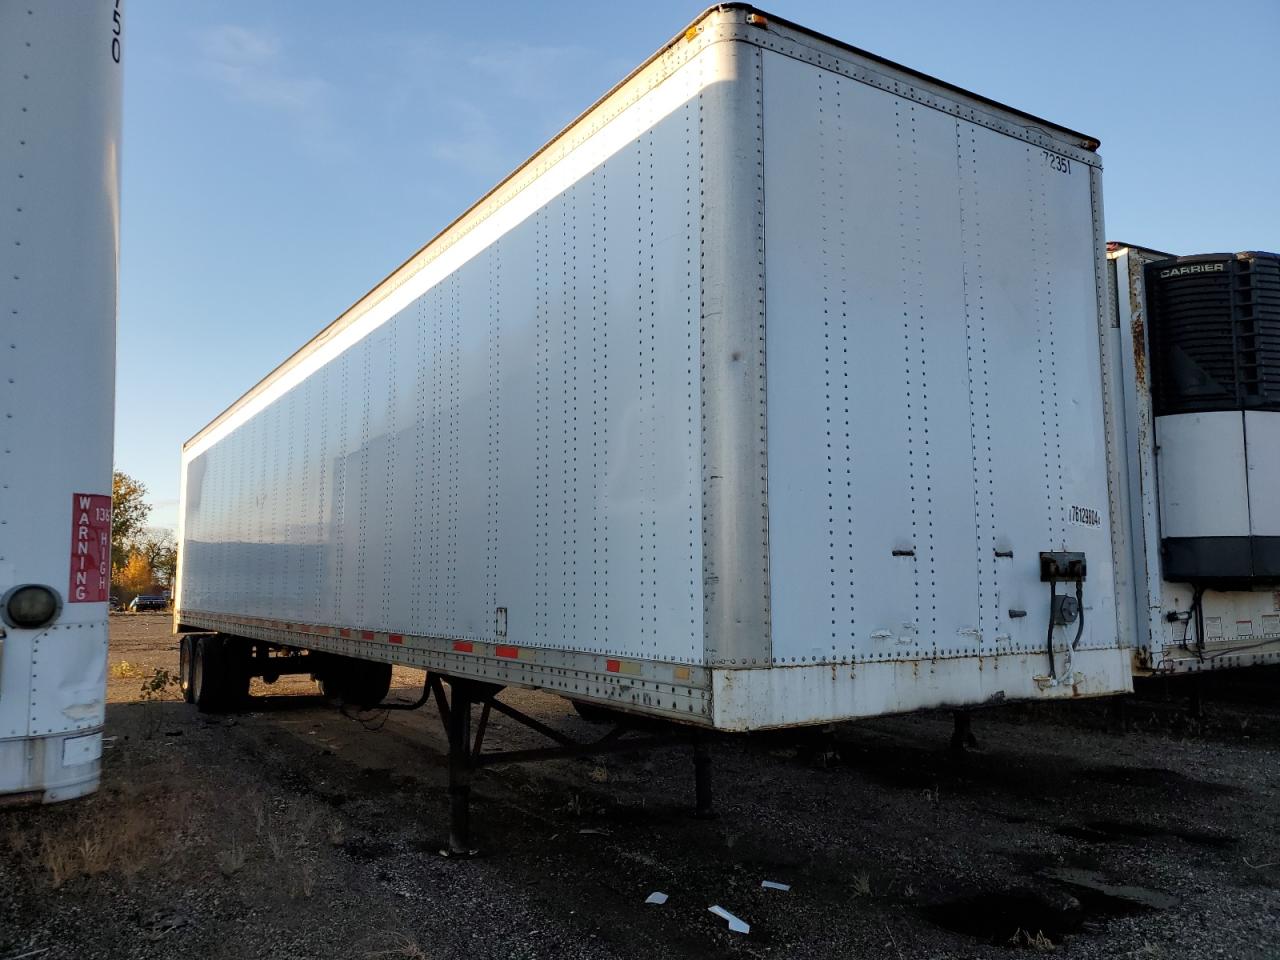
(503, 651)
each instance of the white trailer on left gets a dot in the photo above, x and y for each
(60, 96)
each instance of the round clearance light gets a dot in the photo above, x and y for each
(30, 606)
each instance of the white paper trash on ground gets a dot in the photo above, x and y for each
(656, 897)
(735, 925)
(774, 885)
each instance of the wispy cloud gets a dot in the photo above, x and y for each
(471, 105)
(473, 140)
(250, 65)
(527, 71)
(478, 100)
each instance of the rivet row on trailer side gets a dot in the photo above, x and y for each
(768, 393)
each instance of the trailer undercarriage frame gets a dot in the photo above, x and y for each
(215, 670)
(466, 750)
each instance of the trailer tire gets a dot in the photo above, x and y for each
(239, 670)
(185, 656)
(203, 675)
(219, 673)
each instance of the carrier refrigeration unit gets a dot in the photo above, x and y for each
(1201, 441)
(59, 216)
(768, 393)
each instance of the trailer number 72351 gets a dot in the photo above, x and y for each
(1056, 162)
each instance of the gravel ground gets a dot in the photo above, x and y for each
(292, 830)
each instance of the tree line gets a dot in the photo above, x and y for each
(143, 559)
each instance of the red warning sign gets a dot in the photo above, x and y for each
(90, 548)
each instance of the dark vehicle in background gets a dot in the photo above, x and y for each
(148, 602)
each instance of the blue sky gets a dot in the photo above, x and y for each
(281, 158)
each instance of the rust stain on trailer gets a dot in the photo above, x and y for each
(1137, 323)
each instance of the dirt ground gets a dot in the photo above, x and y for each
(294, 830)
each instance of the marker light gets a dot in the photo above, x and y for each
(30, 606)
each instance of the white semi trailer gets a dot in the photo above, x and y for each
(59, 237)
(1199, 434)
(768, 393)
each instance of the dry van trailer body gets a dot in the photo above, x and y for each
(768, 393)
(1201, 481)
(60, 92)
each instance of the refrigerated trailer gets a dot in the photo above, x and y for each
(1199, 434)
(768, 393)
(59, 216)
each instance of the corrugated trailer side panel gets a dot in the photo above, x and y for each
(540, 452)
(935, 412)
(935, 387)
(507, 450)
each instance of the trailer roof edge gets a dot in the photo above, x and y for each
(1087, 142)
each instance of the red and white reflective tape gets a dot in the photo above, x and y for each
(504, 651)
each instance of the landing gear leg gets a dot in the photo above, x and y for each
(466, 753)
(460, 769)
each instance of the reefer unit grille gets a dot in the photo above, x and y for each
(1214, 322)
(1215, 332)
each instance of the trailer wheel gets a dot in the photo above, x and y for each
(202, 670)
(185, 666)
(219, 673)
(239, 670)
